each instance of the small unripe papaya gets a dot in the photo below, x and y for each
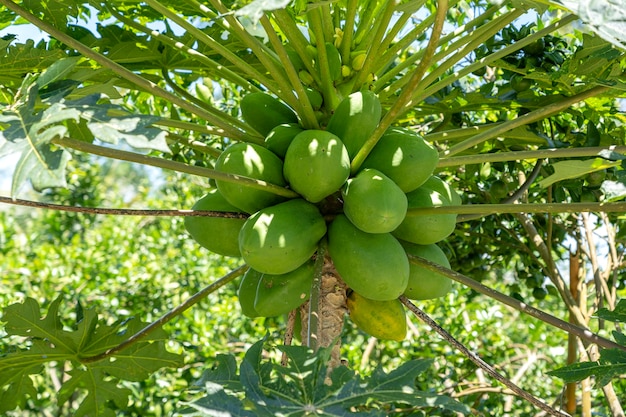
(437, 184)
(279, 138)
(246, 293)
(280, 238)
(355, 119)
(254, 161)
(373, 202)
(428, 228)
(263, 112)
(279, 294)
(403, 156)
(425, 284)
(217, 234)
(382, 319)
(316, 164)
(373, 264)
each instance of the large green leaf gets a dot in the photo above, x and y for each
(30, 126)
(51, 342)
(606, 17)
(303, 387)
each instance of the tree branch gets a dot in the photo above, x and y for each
(478, 361)
(191, 301)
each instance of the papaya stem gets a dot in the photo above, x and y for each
(328, 90)
(303, 104)
(404, 99)
(207, 40)
(174, 166)
(348, 31)
(313, 339)
(296, 40)
(374, 43)
(177, 311)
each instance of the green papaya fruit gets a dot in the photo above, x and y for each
(334, 61)
(316, 164)
(264, 112)
(425, 284)
(437, 184)
(217, 234)
(382, 319)
(280, 238)
(403, 156)
(372, 264)
(254, 161)
(373, 202)
(246, 294)
(355, 119)
(279, 294)
(280, 137)
(315, 97)
(428, 228)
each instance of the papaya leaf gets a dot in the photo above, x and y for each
(303, 388)
(564, 170)
(610, 365)
(51, 341)
(618, 314)
(29, 129)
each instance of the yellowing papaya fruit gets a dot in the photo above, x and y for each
(279, 294)
(372, 264)
(217, 234)
(403, 156)
(280, 137)
(280, 238)
(373, 202)
(355, 119)
(246, 294)
(428, 228)
(263, 112)
(316, 164)
(425, 284)
(382, 319)
(254, 161)
(437, 184)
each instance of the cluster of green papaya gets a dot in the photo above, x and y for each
(364, 217)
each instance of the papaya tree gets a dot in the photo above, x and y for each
(358, 157)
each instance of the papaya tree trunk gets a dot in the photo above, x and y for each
(330, 311)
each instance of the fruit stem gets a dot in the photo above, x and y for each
(174, 166)
(331, 99)
(405, 97)
(303, 104)
(348, 31)
(313, 339)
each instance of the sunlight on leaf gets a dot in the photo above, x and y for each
(565, 170)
